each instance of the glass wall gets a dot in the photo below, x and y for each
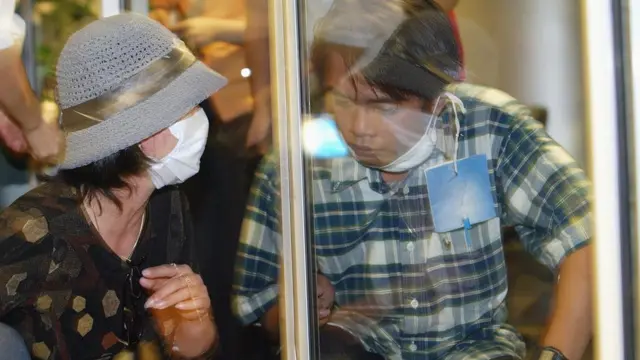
(379, 254)
(426, 194)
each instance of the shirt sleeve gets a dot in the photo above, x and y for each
(12, 26)
(546, 194)
(255, 287)
(25, 255)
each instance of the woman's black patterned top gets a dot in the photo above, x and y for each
(65, 291)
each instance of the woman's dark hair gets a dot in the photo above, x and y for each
(107, 174)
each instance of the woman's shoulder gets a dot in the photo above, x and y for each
(31, 214)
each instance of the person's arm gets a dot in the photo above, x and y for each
(547, 198)
(20, 105)
(203, 30)
(255, 288)
(256, 44)
(11, 135)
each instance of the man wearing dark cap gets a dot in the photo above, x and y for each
(408, 227)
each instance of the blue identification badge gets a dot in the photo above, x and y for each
(322, 139)
(463, 199)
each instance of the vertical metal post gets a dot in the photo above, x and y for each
(286, 87)
(601, 103)
(633, 8)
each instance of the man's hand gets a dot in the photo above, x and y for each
(46, 143)
(11, 135)
(326, 296)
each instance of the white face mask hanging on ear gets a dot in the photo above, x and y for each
(184, 160)
(422, 150)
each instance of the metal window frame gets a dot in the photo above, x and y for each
(605, 109)
(633, 11)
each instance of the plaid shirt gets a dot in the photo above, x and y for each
(405, 290)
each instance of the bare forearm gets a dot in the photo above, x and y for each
(16, 96)
(234, 32)
(271, 323)
(256, 38)
(571, 324)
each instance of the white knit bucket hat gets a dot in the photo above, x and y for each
(122, 79)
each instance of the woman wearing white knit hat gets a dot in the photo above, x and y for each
(100, 259)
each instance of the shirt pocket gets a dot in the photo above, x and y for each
(481, 237)
(475, 267)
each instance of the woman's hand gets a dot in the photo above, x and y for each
(178, 287)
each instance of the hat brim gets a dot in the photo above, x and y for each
(143, 120)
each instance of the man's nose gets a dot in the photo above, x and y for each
(361, 123)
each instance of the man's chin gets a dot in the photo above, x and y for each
(368, 162)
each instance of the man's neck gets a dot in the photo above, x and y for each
(391, 178)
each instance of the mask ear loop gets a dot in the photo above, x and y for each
(455, 103)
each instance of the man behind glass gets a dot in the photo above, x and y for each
(417, 265)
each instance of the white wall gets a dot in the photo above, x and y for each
(530, 49)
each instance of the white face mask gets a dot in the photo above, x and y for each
(419, 152)
(184, 160)
(423, 148)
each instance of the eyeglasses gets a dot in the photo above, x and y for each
(133, 325)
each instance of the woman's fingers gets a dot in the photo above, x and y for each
(153, 284)
(166, 271)
(185, 294)
(180, 288)
(200, 303)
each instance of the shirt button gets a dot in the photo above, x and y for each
(413, 347)
(410, 246)
(414, 303)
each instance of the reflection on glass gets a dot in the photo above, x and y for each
(448, 190)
